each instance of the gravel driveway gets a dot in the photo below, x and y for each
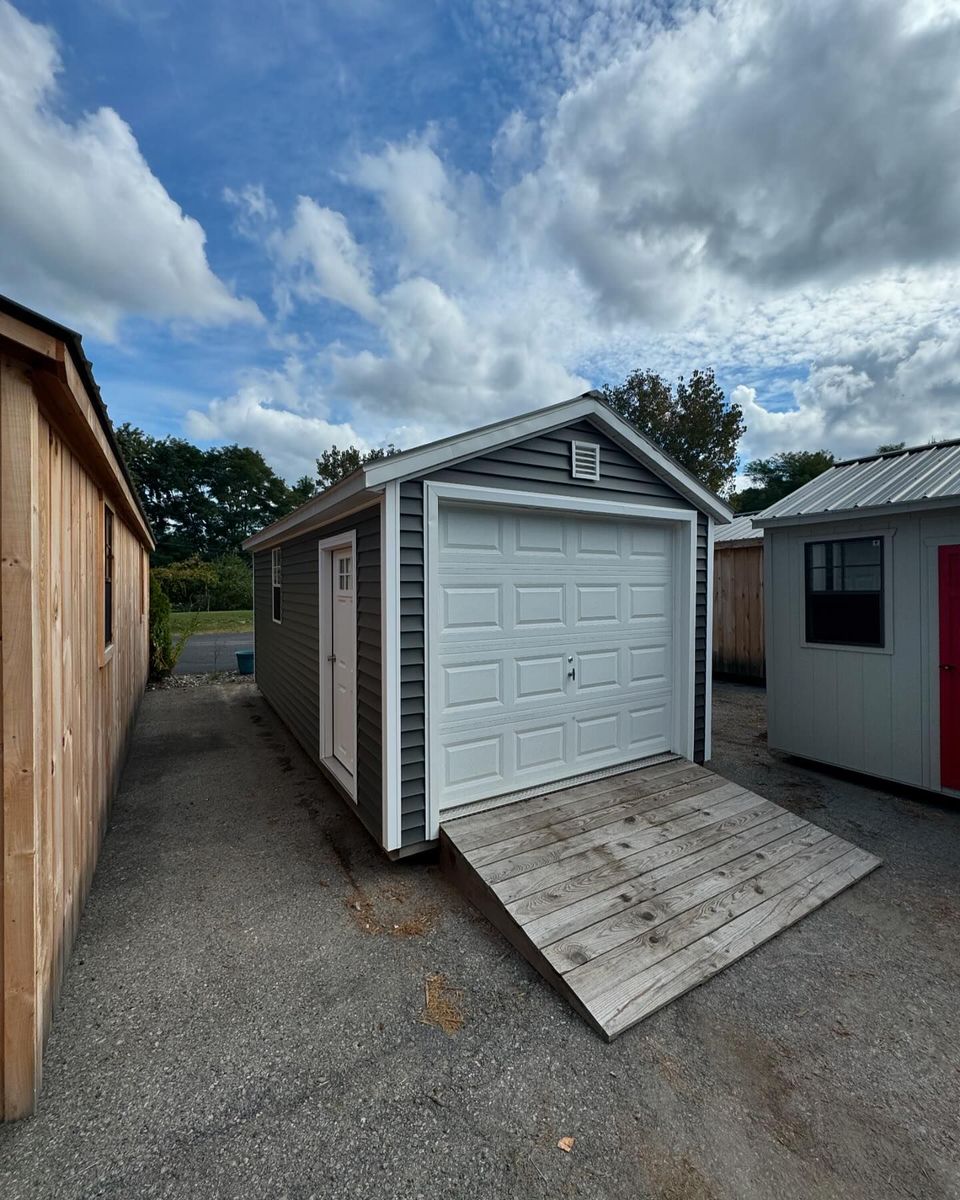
(243, 1015)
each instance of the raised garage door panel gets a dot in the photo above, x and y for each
(553, 645)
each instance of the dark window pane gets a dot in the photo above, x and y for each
(844, 618)
(276, 604)
(844, 592)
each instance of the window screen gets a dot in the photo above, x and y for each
(844, 592)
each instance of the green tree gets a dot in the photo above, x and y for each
(203, 503)
(171, 478)
(693, 421)
(890, 447)
(336, 464)
(778, 476)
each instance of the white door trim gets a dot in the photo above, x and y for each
(684, 641)
(326, 548)
(708, 699)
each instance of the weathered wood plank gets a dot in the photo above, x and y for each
(622, 916)
(682, 816)
(516, 818)
(706, 957)
(615, 806)
(538, 884)
(609, 946)
(662, 867)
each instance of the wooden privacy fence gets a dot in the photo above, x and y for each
(738, 636)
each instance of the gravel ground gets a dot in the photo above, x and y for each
(243, 1013)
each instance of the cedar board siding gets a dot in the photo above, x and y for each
(288, 654)
(68, 708)
(539, 464)
(738, 634)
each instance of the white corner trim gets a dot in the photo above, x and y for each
(685, 657)
(708, 666)
(390, 556)
(325, 548)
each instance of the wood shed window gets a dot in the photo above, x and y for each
(108, 565)
(844, 592)
(276, 564)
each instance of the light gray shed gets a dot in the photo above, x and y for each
(862, 600)
(489, 615)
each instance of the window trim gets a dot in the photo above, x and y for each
(276, 584)
(886, 536)
(108, 561)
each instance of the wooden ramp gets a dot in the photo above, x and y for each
(626, 892)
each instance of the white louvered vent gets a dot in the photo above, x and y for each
(585, 460)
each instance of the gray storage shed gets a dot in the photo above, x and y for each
(489, 615)
(862, 598)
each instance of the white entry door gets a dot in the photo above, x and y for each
(552, 643)
(343, 656)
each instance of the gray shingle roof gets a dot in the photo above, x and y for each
(915, 477)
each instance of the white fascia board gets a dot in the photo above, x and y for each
(416, 463)
(311, 515)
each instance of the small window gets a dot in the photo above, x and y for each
(107, 577)
(345, 572)
(585, 460)
(844, 592)
(276, 566)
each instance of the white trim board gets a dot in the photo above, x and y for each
(708, 665)
(390, 750)
(325, 549)
(684, 642)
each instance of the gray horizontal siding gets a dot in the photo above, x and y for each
(540, 464)
(288, 654)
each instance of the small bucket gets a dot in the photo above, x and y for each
(245, 662)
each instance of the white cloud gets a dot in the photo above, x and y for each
(87, 231)
(318, 258)
(771, 190)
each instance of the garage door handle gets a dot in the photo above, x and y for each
(572, 673)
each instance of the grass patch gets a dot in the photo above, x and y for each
(238, 620)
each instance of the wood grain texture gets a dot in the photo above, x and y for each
(649, 890)
(738, 618)
(68, 706)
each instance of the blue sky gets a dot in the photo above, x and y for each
(292, 224)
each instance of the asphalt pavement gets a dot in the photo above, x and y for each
(205, 653)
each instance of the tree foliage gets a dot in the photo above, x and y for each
(215, 585)
(692, 421)
(204, 503)
(336, 463)
(778, 476)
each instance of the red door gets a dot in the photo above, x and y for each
(950, 667)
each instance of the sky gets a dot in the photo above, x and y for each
(311, 222)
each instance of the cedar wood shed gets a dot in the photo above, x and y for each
(486, 616)
(738, 646)
(74, 563)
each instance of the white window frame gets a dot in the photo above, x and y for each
(276, 583)
(684, 522)
(327, 555)
(887, 537)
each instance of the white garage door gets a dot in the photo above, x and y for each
(552, 640)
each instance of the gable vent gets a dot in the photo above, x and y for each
(585, 460)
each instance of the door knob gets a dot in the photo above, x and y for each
(947, 667)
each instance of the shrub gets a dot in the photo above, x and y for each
(162, 659)
(196, 585)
